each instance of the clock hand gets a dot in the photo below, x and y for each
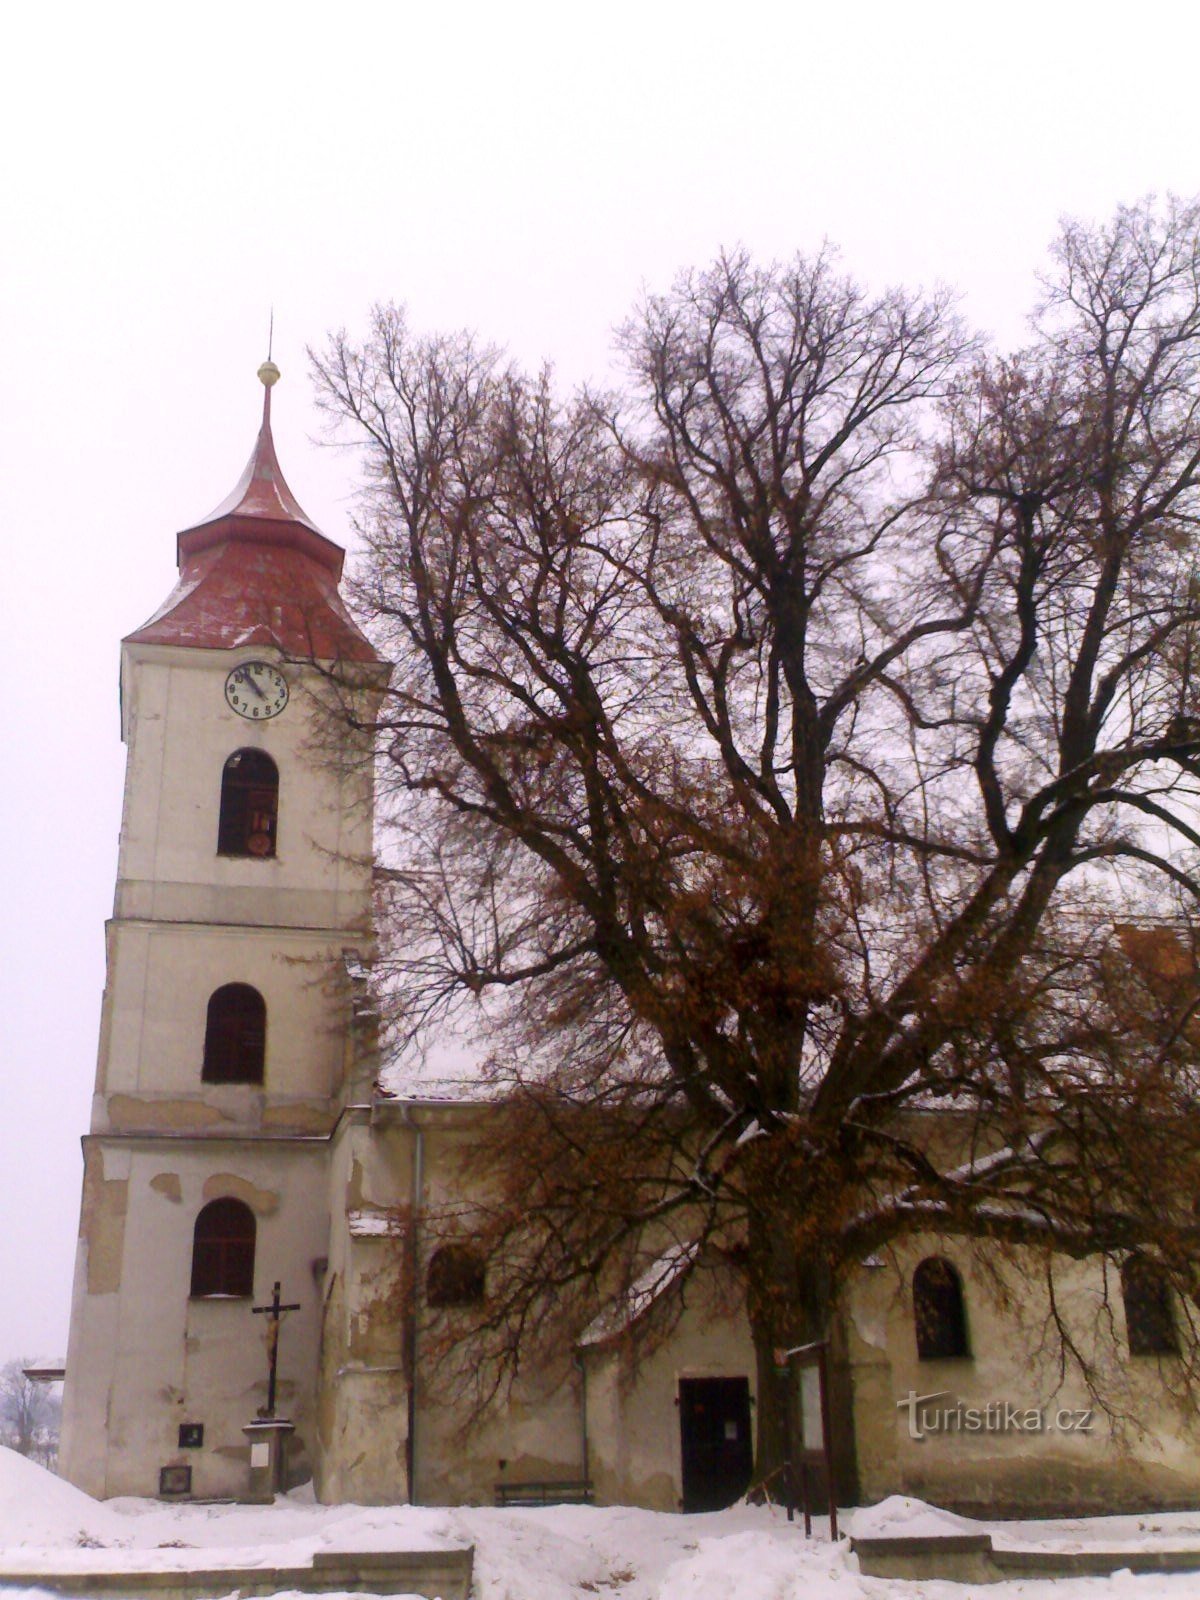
(246, 678)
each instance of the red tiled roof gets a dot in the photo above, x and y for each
(258, 571)
(238, 592)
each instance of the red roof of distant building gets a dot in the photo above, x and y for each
(258, 571)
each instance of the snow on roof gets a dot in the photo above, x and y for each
(374, 1225)
(187, 583)
(641, 1295)
(46, 1369)
(452, 1069)
(354, 966)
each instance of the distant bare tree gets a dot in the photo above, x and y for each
(777, 751)
(29, 1413)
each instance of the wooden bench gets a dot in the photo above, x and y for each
(563, 1492)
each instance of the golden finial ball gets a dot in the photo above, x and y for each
(268, 374)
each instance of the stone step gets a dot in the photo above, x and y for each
(973, 1558)
(431, 1574)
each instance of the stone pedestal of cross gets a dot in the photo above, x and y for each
(268, 1435)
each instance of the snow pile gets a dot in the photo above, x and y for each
(900, 1517)
(744, 1566)
(38, 1509)
(551, 1553)
(746, 1553)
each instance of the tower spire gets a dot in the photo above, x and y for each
(257, 569)
(261, 493)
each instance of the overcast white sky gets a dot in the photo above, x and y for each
(169, 173)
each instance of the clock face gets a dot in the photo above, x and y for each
(256, 690)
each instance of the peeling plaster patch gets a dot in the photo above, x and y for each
(374, 1335)
(102, 1224)
(168, 1184)
(870, 1326)
(358, 1345)
(310, 1118)
(225, 1185)
(129, 1112)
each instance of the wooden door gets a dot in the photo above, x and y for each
(718, 1454)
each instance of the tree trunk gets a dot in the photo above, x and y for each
(791, 1303)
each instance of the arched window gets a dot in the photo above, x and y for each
(456, 1275)
(249, 805)
(223, 1250)
(938, 1311)
(235, 1037)
(1149, 1318)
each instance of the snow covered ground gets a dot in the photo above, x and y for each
(560, 1553)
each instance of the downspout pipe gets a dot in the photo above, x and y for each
(581, 1363)
(412, 1263)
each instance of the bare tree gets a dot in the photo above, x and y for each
(28, 1413)
(778, 750)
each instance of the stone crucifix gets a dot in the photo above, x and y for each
(274, 1314)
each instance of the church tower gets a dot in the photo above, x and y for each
(242, 907)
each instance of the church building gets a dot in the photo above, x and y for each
(245, 1137)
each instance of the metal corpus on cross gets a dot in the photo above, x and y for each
(274, 1314)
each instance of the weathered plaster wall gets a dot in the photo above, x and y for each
(146, 1357)
(633, 1418)
(366, 1359)
(539, 1432)
(95, 1308)
(143, 1356)
(160, 983)
(363, 1423)
(180, 731)
(1004, 1469)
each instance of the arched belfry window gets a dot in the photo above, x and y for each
(938, 1311)
(249, 805)
(235, 1035)
(1149, 1318)
(223, 1250)
(456, 1276)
